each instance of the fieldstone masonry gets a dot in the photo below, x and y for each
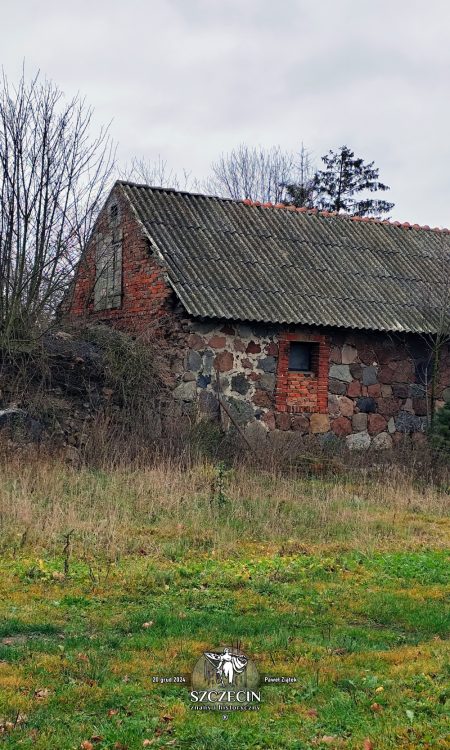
(374, 384)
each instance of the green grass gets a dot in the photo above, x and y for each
(361, 618)
(344, 627)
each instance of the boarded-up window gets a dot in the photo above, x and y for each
(108, 271)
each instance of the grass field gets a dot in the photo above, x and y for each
(342, 583)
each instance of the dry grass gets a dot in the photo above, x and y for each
(169, 510)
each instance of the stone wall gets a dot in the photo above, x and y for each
(375, 382)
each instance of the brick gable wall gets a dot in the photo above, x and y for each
(145, 292)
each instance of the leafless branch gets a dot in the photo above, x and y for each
(434, 299)
(53, 178)
(261, 174)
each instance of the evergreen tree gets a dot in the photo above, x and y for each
(338, 187)
(441, 429)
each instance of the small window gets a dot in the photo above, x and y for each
(300, 356)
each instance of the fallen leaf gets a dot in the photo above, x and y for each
(167, 717)
(328, 739)
(147, 624)
(312, 712)
(146, 743)
(376, 707)
(82, 657)
(379, 689)
(86, 745)
(96, 738)
(113, 711)
(368, 744)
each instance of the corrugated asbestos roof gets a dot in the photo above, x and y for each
(228, 259)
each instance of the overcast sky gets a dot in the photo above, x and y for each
(188, 79)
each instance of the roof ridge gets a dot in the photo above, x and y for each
(287, 207)
(347, 217)
(162, 189)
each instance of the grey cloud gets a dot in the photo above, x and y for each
(188, 79)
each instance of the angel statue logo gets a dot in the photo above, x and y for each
(227, 665)
(225, 680)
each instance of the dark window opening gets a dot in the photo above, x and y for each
(300, 356)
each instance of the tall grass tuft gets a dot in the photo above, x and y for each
(201, 507)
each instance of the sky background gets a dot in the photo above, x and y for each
(189, 79)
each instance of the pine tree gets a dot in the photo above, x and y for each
(339, 186)
(441, 429)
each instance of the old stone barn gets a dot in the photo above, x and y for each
(296, 319)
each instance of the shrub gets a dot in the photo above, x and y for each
(441, 430)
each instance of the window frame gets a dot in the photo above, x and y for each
(307, 345)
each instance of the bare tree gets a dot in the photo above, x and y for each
(302, 193)
(435, 305)
(53, 177)
(157, 173)
(431, 350)
(260, 174)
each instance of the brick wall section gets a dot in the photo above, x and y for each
(145, 292)
(300, 392)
